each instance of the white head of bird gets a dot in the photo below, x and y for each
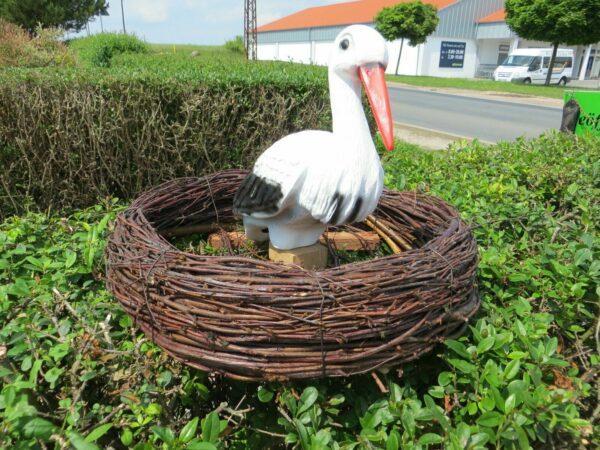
(310, 179)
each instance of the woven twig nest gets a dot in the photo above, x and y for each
(251, 319)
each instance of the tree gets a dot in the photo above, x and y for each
(571, 22)
(410, 20)
(67, 14)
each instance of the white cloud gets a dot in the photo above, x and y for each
(153, 11)
(222, 11)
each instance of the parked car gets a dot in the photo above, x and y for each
(530, 65)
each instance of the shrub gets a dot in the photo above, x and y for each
(69, 138)
(99, 49)
(19, 49)
(236, 45)
(76, 371)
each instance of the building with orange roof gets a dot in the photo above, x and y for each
(471, 40)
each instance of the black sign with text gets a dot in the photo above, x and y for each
(452, 54)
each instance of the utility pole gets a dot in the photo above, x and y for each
(250, 36)
(123, 16)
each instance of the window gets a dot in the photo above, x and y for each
(518, 60)
(560, 62)
(563, 61)
(536, 63)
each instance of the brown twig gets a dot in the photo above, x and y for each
(380, 385)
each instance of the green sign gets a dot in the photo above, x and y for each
(589, 116)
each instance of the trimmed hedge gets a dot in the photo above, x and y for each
(99, 49)
(523, 375)
(70, 137)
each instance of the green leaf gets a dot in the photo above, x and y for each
(143, 446)
(393, 441)
(445, 378)
(164, 378)
(36, 262)
(337, 399)
(127, 437)
(458, 347)
(517, 355)
(264, 394)
(490, 419)
(79, 443)
(479, 439)
(551, 346)
(430, 438)
(436, 391)
(153, 409)
(583, 255)
(59, 351)
(211, 428)
(98, 432)
(19, 289)
(307, 399)
(302, 434)
(485, 344)
(52, 375)
(510, 403)
(39, 428)
(189, 430)
(472, 408)
(522, 438)
(291, 438)
(512, 369)
(196, 445)
(165, 434)
(35, 370)
(70, 258)
(463, 365)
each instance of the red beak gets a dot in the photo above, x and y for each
(373, 79)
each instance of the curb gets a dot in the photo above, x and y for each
(504, 97)
(428, 137)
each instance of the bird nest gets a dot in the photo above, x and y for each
(252, 319)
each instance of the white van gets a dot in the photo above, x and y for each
(530, 65)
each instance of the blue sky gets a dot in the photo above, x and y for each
(207, 22)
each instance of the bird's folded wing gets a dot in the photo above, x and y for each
(298, 170)
(326, 195)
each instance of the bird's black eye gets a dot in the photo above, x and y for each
(344, 44)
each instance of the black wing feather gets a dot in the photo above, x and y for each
(257, 195)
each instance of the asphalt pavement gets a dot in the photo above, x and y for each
(467, 116)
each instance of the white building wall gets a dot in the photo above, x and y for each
(408, 61)
(322, 51)
(296, 52)
(267, 52)
(489, 49)
(431, 59)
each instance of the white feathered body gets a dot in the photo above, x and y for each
(321, 181)
(310, 179)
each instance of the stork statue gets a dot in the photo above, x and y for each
(311, 179)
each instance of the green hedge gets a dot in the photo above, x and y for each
(70, 137)
(99, 49)
(76, 372)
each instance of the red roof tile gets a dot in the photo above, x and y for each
(363, 11)
(497, 16)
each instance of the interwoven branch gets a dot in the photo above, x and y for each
(258, 320)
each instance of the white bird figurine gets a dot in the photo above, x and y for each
(310, 179)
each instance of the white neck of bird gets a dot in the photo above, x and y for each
(349, 120)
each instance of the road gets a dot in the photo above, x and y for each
(487, 120)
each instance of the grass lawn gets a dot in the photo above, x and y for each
(203, 50)
(484, 85)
